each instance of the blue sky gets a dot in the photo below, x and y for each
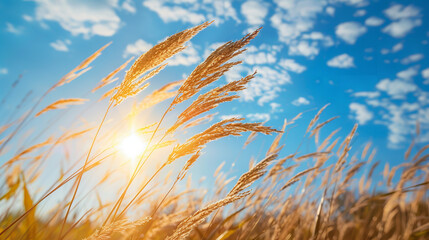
(367, 58)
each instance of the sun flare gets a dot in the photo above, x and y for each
(133, 146)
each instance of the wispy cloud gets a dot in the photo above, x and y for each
(3, 71)
(361, 113)
(342, 61)
(374, 21)
(412, 58)
(190, 12)
(404, 20)
(397, 89)
(87, 18)
(254, 12)
(291, 65)
(350, 31)
(12, 29)
(137, 48)
(128, 5)
(61, 45)
(409, 73)
(258, 117)
(300, 101)
(186, 57)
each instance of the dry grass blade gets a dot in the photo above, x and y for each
(211, 100)
(74, 135)
(188, 165)
(153, 58)
(61, 104)
(187, 225)
(319, 126)
(109, 78)
(28, 150)
(80, 69)
(316, 118)
(252, 175)
(312, 155)
(228, 127)
(31, 218)
(213, 67)
(289, 183)
(159, 95)
(297, 177)
(121, 226)
(161, 52)
(279, 165)
(199, 121)
(274, 148)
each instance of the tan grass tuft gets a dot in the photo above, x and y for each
(61, 104)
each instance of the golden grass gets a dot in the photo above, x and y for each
(323, 194)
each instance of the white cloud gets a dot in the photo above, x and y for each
(254, 12)
(361, 113)
(304, 48)
(318, 36)
(367, 94)
(128, 6)
(398, 47)
(294, 17)
(3, 71)
(137, 48)
(291, 65)
(12, 29)
(275, 107)
(259, 117)
(409, 73)
(342, 61)
(374, 21)
(397, 89)
(412, 58)
(266, 85)
(81, 17)
(300, 101)
(264, 54)
(425, 73)
(175, 13)
(186, 57)
(355, 3)
(60, 45)
(400, 122)
(27, 18)
(398, 11)
(330, 11)
(402, 27)
(360, 13)
(191, 11)
(384, 51)
(405, 19)
(225, 117)
(350, 31)
(400, 118)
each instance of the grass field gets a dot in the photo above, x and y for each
(329, 193)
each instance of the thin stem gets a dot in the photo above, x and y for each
(84, 165)
(23, 121)
(140, 164)
(50, 192)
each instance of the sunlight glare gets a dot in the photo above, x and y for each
(133, 146)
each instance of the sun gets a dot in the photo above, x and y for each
(133, 146)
